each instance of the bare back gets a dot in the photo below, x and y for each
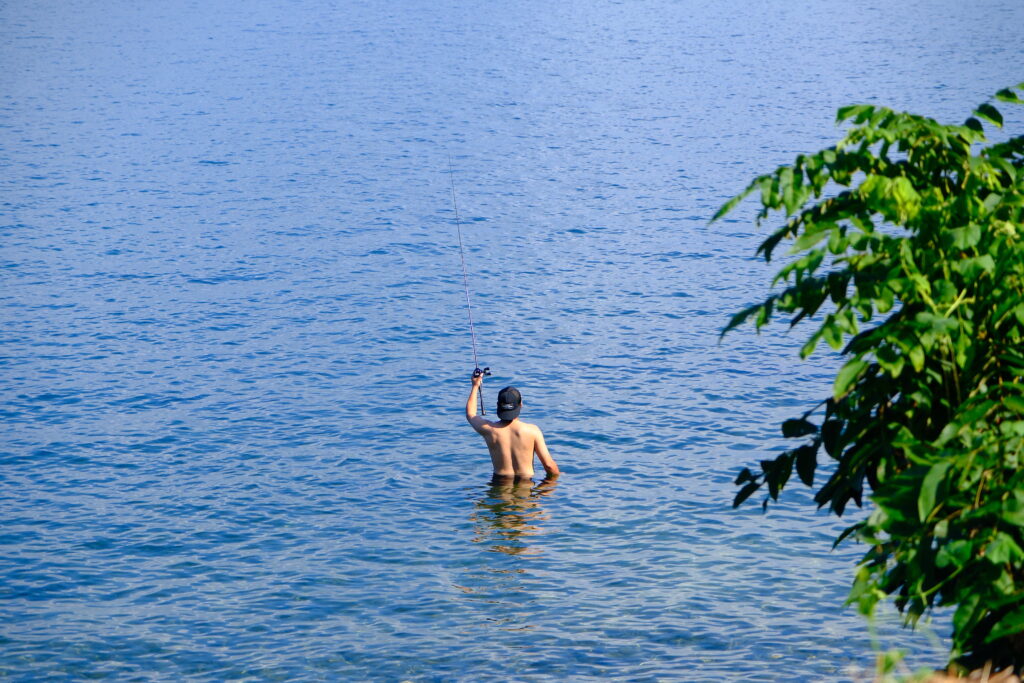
(512, 443)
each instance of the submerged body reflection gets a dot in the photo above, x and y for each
(505, 521)
(511, 513)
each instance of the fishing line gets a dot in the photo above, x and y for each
(465, 283)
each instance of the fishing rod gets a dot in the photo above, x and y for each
(478, 371)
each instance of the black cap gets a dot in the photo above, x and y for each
(510, 402)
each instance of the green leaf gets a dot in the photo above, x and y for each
(837, 286)
(776, 473)
(809, 238)
(990, 113)
(929, 487)
(790, 198)
(954, 555)
(848, 112)
(874, 189)
(1014, 403)
(973, 268)
(916, 355)
(1003, 549)
(837, 240)
(1007, 95)
(966, 237)
(974, 124)
(846, 533)
(769, 191)
(833, 335)
(992, 201)
(968, 612)
(1010, 624)
(745, 493)
(1013, 509)
(939, 324)
(798, 427)
(740, 318)
(744, 476)
(731, 204)
(808, 348)
(764, 314)
(830, 433)
(908, 201)
(806, 462)
(885, 299)
(848, 374)
(890, 360)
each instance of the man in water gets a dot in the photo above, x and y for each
(512, 443)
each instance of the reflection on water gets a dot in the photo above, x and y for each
(510, 514)
(506, 521)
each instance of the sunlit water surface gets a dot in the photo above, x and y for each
(235, 346)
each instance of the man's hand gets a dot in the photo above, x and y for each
(471, 416)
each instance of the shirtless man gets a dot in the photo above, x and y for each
(512, 443)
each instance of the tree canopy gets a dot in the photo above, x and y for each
(907, 255)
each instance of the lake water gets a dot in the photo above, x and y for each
(235, 349)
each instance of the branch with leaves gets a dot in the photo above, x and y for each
(907, 255)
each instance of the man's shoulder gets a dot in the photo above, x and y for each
(481, 424)
(529, 426)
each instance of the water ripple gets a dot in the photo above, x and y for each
(234, 344)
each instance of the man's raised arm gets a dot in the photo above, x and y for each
(471, 417)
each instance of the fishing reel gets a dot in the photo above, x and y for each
(481, 372)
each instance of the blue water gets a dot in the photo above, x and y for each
(234, 348)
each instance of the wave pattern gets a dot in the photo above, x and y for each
(234, 350)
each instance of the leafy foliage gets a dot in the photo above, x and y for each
(907, 249)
